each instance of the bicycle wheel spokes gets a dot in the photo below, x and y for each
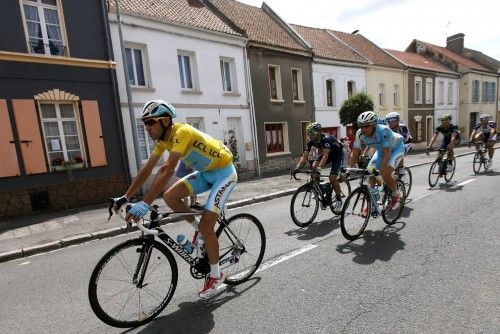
(449, 175)
(117, 299)
(304, 206)
(389, 215)
(242, 243)
(477, 162)
(434, 173)
(345, 190)
(407, 180)
(355, 213)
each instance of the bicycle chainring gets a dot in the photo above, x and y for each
(201, 269)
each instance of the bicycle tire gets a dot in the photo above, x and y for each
(434, 173)
(305, 201)
(345, 189)
(127, 265)
(449, 175)
(360, 199)
(407, 180)
(252, 252)
(391, 216)
(477, 162)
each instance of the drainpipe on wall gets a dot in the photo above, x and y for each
(116, 97)
(129, 93)
(252, 110)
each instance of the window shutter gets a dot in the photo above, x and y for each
(93, 130)
(29, 136)
(9, 166)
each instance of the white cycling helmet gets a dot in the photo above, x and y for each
(484, 117)
(392, 116)
(157, 109)
(368, 117)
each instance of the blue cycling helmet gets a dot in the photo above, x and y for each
(381, 120)
(157, 109)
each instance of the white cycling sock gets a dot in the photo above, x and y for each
(214, 270)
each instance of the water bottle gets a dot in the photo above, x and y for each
(186, 245)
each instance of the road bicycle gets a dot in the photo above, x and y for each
(365, 202)
(441, 168)
(135, 280)
(480, 158)
(314, 194)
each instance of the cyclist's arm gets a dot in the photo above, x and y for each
(433, 139)
(454, 136)
(142, 175)
(472, 135)
(324, 158)
(162, 177)
(353, 159)
(386, 155)
(303, 159)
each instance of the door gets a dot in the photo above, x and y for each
(234, 123)
(472, 121)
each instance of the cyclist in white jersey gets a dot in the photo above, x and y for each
(393, 121)
(485, 131)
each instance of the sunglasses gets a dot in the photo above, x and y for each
(151, 121)
(364, 126)
(393, 121)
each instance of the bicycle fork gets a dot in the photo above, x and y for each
(142, 264)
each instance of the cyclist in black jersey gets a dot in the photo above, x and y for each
(330, 151)
(485, 131)
(451, 137)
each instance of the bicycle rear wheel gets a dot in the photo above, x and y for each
(304, 205)
(345, 190)
(388, 215)
(449, 175)
(407, 180)
(355, 213)
(434, 173)
(121, 300)
(477, 162)
(242, 243)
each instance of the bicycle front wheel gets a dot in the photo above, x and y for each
(304, 205)
(120, 297)
(449, 175)
(355, 213)
(345, 190)
(477, 162)
(407, 180)
(434, 173)
(242, 243)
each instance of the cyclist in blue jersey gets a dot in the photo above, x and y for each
(330, 151)
(393, 119)
(389, 150)
(485, 131)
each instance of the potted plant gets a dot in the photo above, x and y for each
(59, 164)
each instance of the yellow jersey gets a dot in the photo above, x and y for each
(198, 150)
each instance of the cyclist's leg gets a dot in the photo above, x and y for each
(491, 145)
(375, 163)
(336, 160)
(478, 138)
(397, 154)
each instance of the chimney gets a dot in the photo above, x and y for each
(455, 43)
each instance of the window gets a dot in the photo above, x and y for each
(489, 91)
(395, 95)
(418, 90)
(450, 93)
(297, 88)
(441, 92)
(493, 91)
(135, 66)
(274, 138)
(381, 94)
(187, 69)
(146, 144)
(330, 93)
(196, 122)
(43, 27)
(275, 83)
(227, 70)
(428, 91)
(475, 91)
(61, 132)
(351, 88)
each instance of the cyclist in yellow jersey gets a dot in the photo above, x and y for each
(213, 170)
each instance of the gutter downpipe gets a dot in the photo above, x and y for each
(129, 93)
(116, 96)
(252, 110)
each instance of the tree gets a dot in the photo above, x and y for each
(232, 143)
(354, 106)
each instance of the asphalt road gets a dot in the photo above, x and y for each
(436, 271)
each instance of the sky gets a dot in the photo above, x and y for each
(393, 24)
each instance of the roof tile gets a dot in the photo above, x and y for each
(456, 57)
(416, 60)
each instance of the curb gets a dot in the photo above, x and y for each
(79, 239)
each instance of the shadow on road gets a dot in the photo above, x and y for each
(378, 245)
(197, 316)
(315, 230)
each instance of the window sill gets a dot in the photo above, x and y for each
(274, 154)
(277, 101)
(191, 91)
(143, 89)
(231, 94)
(299, 101)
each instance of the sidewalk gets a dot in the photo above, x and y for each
(48, 231)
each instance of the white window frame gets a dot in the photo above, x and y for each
(428, 91)
(134, 82)
(418, 90)
(59, 121)
(353, 88)
(232, 75)
(269, 136)
(279, 92)
(149, 143)
(450, 92)
(300, 87)
(193, 70)
(381, 94)
(332, 92)
(395, 96)
(40, 6)
(440, 97)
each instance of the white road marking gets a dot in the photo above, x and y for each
(24, 263)
(285, 257)
(465, 182)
